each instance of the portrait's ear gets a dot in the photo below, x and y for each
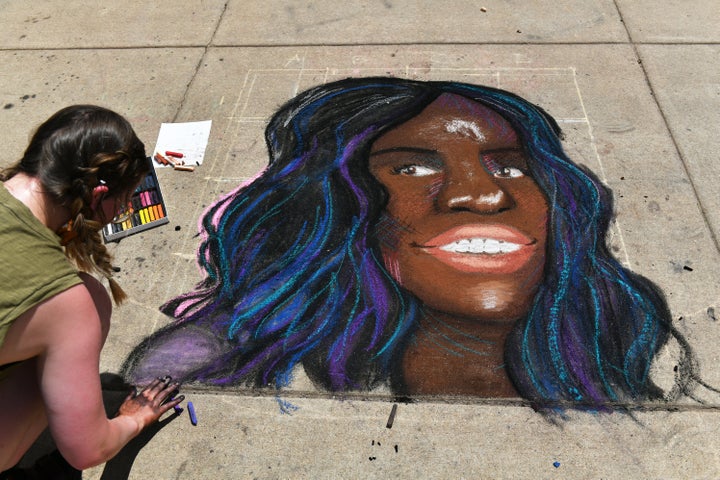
(97, 195)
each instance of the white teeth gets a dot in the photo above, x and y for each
(488, 246)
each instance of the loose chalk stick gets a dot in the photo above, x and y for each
(161, 159)
(391, 420)
(191, 412)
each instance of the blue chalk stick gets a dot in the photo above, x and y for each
(191, 412)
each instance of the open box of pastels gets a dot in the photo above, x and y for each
(145, 210)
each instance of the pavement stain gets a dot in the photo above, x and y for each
(378, 445)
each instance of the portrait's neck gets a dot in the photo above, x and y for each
(458, 356)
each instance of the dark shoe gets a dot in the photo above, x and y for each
(49, 467)
(14, 474)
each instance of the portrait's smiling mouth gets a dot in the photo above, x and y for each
(481, 248)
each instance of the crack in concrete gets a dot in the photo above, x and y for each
(201, 60)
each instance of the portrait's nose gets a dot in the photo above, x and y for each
(472, 188)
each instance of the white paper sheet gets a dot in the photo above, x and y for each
(188, 138)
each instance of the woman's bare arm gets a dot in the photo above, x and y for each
(67, 334)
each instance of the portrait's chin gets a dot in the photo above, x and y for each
(500, 301)
(504, 299)
(491, 301)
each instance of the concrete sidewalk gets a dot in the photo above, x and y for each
(635, 85)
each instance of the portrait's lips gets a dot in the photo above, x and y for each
(481, 248)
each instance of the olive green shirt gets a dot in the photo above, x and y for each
(33, 266)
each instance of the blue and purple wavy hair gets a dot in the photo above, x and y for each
(294, 274)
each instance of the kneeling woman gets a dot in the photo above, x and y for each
(82, 164)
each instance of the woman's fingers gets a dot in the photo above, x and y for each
(159, 390)
(171, 403)
(157, 385)
(168, 392)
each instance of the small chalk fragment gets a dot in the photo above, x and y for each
(191, 412)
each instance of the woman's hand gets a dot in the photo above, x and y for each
(148, 405)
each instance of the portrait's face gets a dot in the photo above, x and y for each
(465, 226)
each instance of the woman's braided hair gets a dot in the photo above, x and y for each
(76, 150)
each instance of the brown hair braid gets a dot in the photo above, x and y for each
(74, 151)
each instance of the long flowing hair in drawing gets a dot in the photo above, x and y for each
(294, 274)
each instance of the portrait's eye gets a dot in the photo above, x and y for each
(506, 163)
(509, 172)
(414, 170)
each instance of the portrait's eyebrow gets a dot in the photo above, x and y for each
(512, 148)
(403, 149)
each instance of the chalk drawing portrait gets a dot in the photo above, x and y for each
(431, 237)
